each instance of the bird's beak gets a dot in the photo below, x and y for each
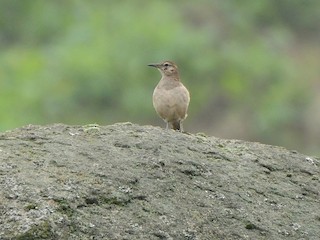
(156, 65)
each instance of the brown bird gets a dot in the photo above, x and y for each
(170, 97)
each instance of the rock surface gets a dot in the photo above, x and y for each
(126, 181)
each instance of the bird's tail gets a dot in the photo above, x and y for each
(177, 125)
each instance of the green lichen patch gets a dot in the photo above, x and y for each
(30, 206)
(38, 231)
(64, 207)
(118, 201)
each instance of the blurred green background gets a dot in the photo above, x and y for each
(252, 67)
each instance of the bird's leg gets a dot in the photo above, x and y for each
(181, 127)
(167, 125)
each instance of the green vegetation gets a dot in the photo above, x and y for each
(252, 67)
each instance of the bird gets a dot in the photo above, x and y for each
(170, 97)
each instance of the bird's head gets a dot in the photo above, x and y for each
(166, 68)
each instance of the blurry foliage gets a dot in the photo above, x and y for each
(247, 64)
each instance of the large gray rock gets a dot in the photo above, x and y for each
(126, 181)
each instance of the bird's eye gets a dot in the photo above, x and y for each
(166, 64)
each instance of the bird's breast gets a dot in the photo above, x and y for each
(171, 103)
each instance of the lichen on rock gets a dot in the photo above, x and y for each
(126, 181)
